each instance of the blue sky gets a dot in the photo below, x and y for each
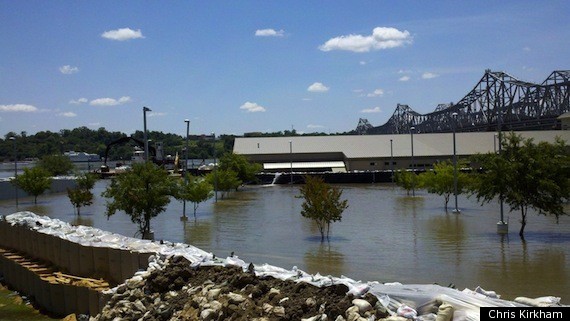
(241, 66)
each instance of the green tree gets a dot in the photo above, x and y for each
(322, 203)
(526, 175)
(56, 165)
(244, 169)
(143, 192)
(407, 180)
(34, 181)
(196, 190)
(224, 180)
(81, 195)
(440, 181)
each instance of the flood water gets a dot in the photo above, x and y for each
(384, 236)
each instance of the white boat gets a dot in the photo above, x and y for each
(78, 157)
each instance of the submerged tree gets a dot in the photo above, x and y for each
(526, 175)
(322, 203)
(224, 180)
(142, 192)
(195, 190)
(244, 169)
(407, 180)
(440, 181)
(34, 181)
(81, 195)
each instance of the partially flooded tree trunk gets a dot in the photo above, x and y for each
(523, 222)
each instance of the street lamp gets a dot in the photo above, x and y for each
(291, 161)
(187, 121)
(13, 139)
(215, 169)
(413, 164)
(456, 210)
(392, 160)
(145, 109)
(502, 226)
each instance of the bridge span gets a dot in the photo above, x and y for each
(498, 101)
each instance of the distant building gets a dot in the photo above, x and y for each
(564, 121)
(370, 152)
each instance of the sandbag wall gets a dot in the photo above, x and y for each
(51, 290)
(68, 254)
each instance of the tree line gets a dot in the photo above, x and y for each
(83, 139)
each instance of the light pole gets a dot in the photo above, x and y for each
(391, 160)
(145, 109)
(187, 121)
(215, 169)
(291, 162)
(413, 164)
(454, 115)
(13, 139)
(502, 226)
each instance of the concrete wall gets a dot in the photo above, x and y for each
(59, 185)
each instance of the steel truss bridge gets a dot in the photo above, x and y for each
(498, 101)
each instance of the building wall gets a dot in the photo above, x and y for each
(373, 152)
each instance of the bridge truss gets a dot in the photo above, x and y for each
(499, 100)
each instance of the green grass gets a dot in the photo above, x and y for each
(12, 308)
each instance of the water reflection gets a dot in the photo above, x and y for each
(197, 233)
(324, 259)
(519, 268)
(85, 220)
(448, 230)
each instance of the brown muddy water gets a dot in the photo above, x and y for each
(384, 236)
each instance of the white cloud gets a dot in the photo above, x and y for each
(110, 101)
(307, 99)
(252, 107)
(312, 126)
(526, 48)
(68, 114)
(154, 114)
(381, 38)
(318, 88)
(78, 101)
(371, 110)
(269, 33)
(68, 70)
(18, 108)
(362, 63)
(122, 34)
(376, 93)
(429, 75)
(404, 78)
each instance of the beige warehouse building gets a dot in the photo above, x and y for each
(371, 152)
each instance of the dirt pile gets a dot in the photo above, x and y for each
(180, 292)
